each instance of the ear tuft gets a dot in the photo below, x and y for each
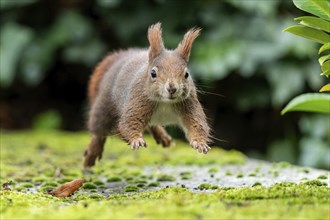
(184, 47)
(155, 40)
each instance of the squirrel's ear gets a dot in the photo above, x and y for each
(184, 47)
(155, 40)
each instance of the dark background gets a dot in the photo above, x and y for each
(49, 48)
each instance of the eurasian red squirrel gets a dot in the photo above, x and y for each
(137, 89)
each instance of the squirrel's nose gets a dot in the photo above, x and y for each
(171, 88)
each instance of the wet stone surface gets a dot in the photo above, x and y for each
(211, 177)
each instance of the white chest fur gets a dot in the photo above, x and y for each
(165, 114)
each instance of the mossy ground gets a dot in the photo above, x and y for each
(119, 187)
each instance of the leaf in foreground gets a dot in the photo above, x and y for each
(325, 88)
(324, 48)
(309, 33)
(319, 8)
(314, 22)
(67, 189)
(310, 102)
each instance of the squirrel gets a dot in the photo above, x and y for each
(133, 90)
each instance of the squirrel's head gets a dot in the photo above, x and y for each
(168, 75)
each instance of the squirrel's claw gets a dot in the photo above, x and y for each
(202, 147)
(137, 143)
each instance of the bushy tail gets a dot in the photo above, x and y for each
(98, 73)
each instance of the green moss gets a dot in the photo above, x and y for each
(225, 188)
(89, 185)
(130, 178)
(256, 184)
(39, 179)
(45, 188)
(284, 184)
(141, 181)
(186, 177)
(166, 177)
(204, 186)
(176, 203)
(50, 184)
(131, 189)
(315, 183)
(214, 187)
(252, 174)
(305, 192)
(131, 173)
(281, 201)
(282, 164)
(140, 185)
(153, 184)
(27, 185)
(240, 175)
(98, 183)
(228, 173)
(275, 173)
(213, 170)
(95, 196)
(72, 173)
(19, 188)
(184, 173)
(322, 177)
(65, 180)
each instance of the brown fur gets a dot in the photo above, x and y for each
(160, 135)
(138, 89)
(98, 73)
(155, 40)
(186, 44)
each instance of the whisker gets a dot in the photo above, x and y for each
(211, 93)
(204, 86)
(217, 139)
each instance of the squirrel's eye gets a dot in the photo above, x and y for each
(153, 73)
(186, 75)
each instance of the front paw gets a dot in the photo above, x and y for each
(137, 143)
(202, 147)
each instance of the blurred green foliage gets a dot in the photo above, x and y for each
(242, 39)
(241, 36)
(317, 29)
(28, 52)
(48, 120)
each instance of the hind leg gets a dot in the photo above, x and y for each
(94, 150)
(100, 123)
(161, 136)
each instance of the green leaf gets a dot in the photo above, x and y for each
(325, 88)
(324, 48)
(323, 59)
(326, 73)
(326, 68)
(310, 102)
(319, 8)
(326, 65)
(314, 22)
(309, 33)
